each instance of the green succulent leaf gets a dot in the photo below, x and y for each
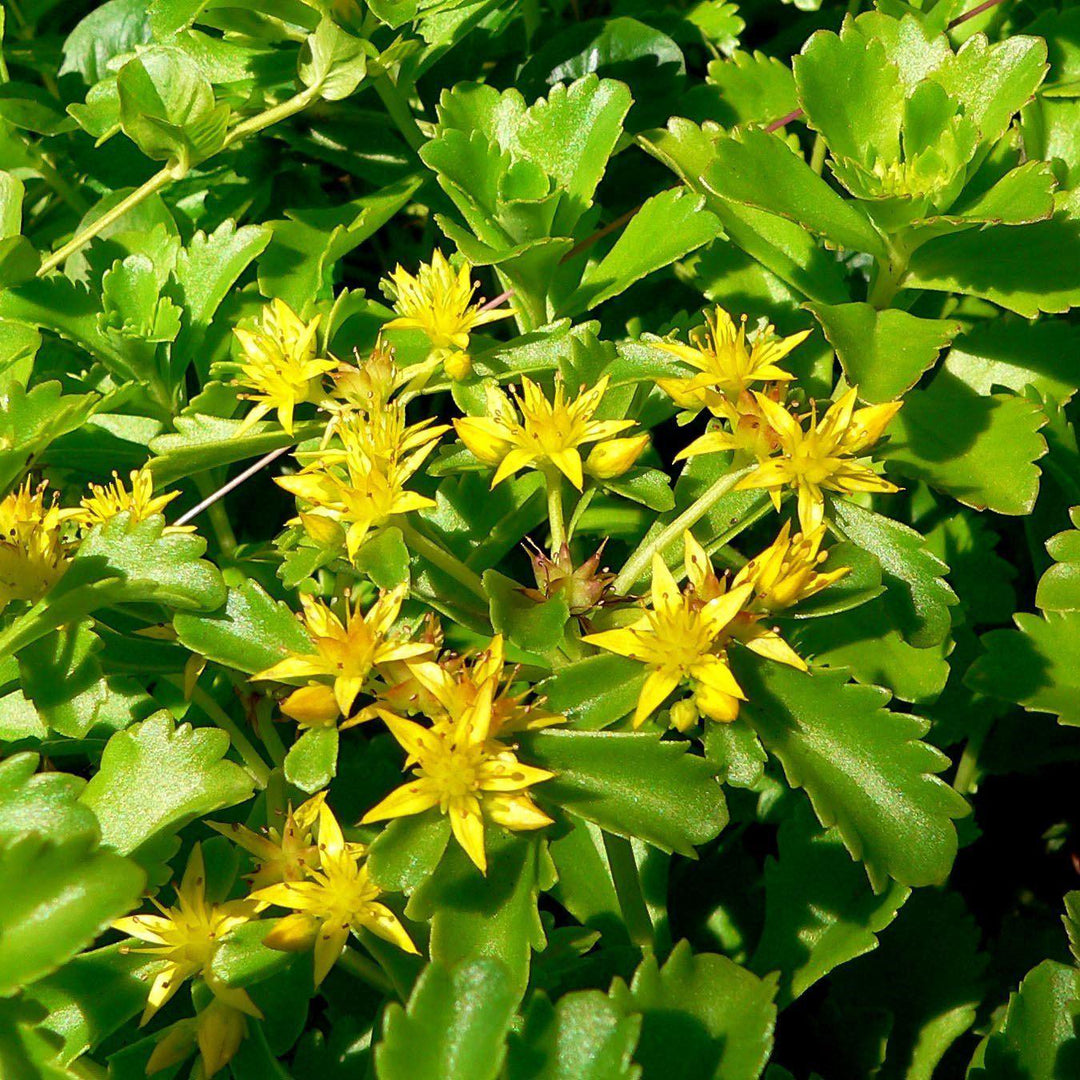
(631, 785)
(1035, 665)
(886, 802)
(491, 915)
(154, 778)
(167, 107)
(61, 888)
(819, 910)
(731, 1014)
(1037, 1037)
(918, 597)
(454, 1028)
(582, 1036)
(884, 353)
(251, 632)
(979, 449)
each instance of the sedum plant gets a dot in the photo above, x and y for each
(539, 541)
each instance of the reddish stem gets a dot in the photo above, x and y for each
(986, 5)
(777, 124)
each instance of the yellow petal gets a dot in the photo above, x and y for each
(467, 825)
(613, 457)
(294, 933)
(484, 438)
(713, 672)
(331, 840)
(220, 1032)
(568, 462)
(695, 561)
(412, 798)
(623, 641)
(498, 775)
(515, 459)
(329, 945)
(165, 984)
(380, 920)
(772, 646)
(658, 684)
(665, 591)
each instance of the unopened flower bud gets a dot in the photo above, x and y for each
(312, 706)
(613, 457)
(457, 365)
(684, 714)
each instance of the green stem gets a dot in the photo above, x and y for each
(264, 726)
(397, 105)
(967, 771)
(438, 556)
(624, 874)
(817, 156)
(367, 971)
(176, 171)
(282, 111)
(56, 181)
(219, 519)
(254, 762)
(639, 561)
(553, 480)
(888, 275)
(582, 506)
(160, 179)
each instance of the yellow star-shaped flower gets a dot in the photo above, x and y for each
(466, 773)
(105, 501)
(549, 432)
(681, 638)
(34, 547)
(823, 456)
(335, 900)
(344, 653)
(345, 495)
(187, 936)
(786, 571)
(281, 854)
(727, 359)
(439, 301)
(280, 367)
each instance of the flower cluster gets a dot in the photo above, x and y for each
(354, 482)
(461, 760)
(438, 300)
(683, 635)
(550, 434)
(806, 454)
(35, 545)
(306, 866)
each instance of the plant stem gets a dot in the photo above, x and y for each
(817, 155)
(272, 741)
(219, 520)
(56, 181)
(367, 971)
(156, 182)
(281, 111)
(397, 106)
(438, 556)
(254, 762)
(967, 771)
(640, 559)
(624, 874)
(176, 171)
(553, 480)
(582, 506)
